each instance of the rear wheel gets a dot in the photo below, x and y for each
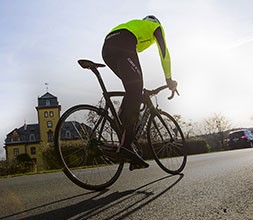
(167, 142)
(86, 141)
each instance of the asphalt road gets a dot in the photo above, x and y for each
(212, 186)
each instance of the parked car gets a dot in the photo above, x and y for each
(240, 139)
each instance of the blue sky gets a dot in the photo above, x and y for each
(210, 43)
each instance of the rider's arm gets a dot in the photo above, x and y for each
(163, 52)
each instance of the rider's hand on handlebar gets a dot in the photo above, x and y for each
(172, 84)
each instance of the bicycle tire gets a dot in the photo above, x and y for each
(86, 141)
(167, 142)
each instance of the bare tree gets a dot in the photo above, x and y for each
(216, 123)
(213, 128)
(186, 127)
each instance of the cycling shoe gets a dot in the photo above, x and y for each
(134, 166)
(136, 162)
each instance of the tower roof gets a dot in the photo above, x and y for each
(47, 100)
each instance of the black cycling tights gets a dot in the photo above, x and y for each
(119, 53)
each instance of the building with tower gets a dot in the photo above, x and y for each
(33, 139)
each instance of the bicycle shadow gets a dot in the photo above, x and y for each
(98, 204)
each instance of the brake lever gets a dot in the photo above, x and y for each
(173, 93)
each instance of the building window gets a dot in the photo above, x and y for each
(68, 134)
(51, 114)
(33, 150)
(45, 114)
(15, 137)
(50, 136)
(31, 137)
(47, 102)
(16, 151)
(49, 124)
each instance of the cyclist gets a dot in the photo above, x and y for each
(120, 54)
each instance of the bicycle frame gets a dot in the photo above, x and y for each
(108, 102)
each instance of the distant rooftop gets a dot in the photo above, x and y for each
(47, 100)
(26, 133)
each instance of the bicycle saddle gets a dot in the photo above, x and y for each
(87, 64)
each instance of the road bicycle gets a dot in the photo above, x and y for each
(87, 138)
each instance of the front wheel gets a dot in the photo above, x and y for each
(86, 141)
(167, 142)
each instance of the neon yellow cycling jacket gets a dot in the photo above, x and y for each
(147, 32)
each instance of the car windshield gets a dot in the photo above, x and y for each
(249, 133)
(236, 134)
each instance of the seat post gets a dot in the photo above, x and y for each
(106, 96)
(100, 80)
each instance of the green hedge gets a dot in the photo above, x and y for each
(22, 164)
(194, 146)
(197, 146)
(12, 167)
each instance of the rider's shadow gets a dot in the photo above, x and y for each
(117, 205)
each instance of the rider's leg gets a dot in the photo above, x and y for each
(131, 77)
(119, 53)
